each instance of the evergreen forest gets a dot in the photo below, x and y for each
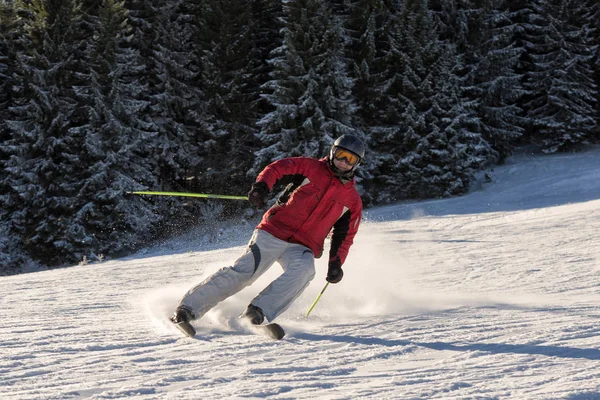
(102, 97)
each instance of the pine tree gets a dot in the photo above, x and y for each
(447, 148)
(438, 147)
(400, 107)
(264, 38)
(593, 19)
(112, 138)
(367, 32)
(452, 19)
(368, 28)
(563, 92)
(147, 23)
(43, 163)
(12, 255)
(163, 83)
(491, 79)
(311, 90)
(483, 32)
(230, 75)
(175, 96)
(7, 62)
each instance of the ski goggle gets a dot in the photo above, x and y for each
(343, 154)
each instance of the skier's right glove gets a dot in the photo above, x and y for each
(334, 272)
(258, 194)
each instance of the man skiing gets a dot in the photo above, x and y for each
(320, 195)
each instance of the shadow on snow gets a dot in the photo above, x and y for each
(495, 348)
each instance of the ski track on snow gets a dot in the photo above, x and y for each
(436, 303)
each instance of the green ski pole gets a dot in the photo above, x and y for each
(182, 194)
(316, 300)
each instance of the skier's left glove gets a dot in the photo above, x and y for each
(258, 194)
(334, 272)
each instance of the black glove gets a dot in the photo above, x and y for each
(258, 194)
(334, 273)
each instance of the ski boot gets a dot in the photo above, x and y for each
(254, 315)
(181, 318)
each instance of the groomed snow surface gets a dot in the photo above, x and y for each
(493, 295)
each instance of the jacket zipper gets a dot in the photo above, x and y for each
(331, 177)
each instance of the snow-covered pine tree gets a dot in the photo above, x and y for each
(265, 36)
(165, 84)
(179, 101)
(112, 136)
(521, 13)
(43, 166)
(176, 96)
(491, 83)
(144, 36)
(561, 104)
(445, 147)
(593, 18)
(452, 19)
(397, 170)
(7, 24)
(400, 122)
(449, 149)
(231, 70)
(12, 256)
(310, 87)
(367, 26)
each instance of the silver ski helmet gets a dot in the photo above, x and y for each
(350, 143)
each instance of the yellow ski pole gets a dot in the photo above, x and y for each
(182, 194)
(316, 300)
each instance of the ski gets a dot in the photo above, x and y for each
(253, 317)
(186, 328)
(272, 330)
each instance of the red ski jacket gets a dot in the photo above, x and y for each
(314, 201)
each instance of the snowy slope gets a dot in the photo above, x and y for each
(492, 295)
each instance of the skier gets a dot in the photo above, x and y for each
(320, 195)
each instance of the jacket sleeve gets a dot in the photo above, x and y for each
(344, 231)
(278, 169)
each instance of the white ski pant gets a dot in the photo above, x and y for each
(262, 252)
